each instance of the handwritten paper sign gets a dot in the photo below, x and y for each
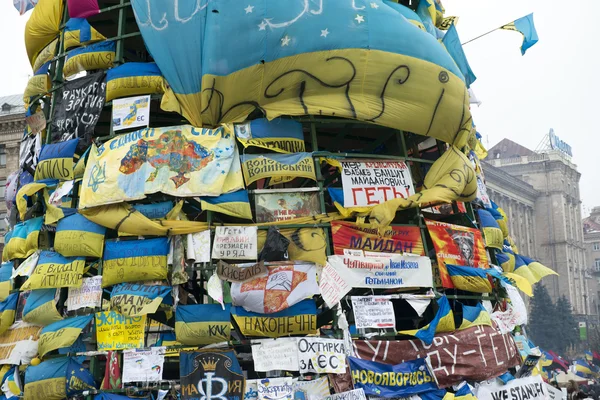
(198, 246)
(356, 394)
(88, 295)
(143, 365)
(117, 332)
(274, 355)
(36, 122)
(333, 286)
(78, 105)
(275, 389)
(321, 355)
(240, 272)
(367, 183)
(373, 312)
(131, 112)
(235, 243)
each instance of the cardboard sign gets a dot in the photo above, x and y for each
(235, 243)
(240, 272)
(396, 239)
(356, 394)
(36, 122)
(373, 312)
(274, 355)
(117, 332)
(531, 388)
(368, 183)
(275, 389)
(143, 365)
(321, 356)
(131, 112)
(77, 108)
(88, 295)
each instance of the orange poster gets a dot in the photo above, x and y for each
(457, 245)
(397, 239)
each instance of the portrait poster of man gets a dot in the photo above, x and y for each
(456, 245)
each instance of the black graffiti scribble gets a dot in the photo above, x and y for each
(297, 240)
(463, 125)
(221, 115)
(437, 105)
(302, 87)
(400, 81)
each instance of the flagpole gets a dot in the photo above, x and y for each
(480, 36)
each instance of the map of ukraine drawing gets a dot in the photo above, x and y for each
(171, 150)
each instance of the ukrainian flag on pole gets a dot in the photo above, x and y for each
(442, 322)
(526, 27)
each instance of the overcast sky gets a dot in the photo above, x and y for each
(552, 86)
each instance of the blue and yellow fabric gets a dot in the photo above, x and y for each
(11, 384)
(280, 135)
(464, 393)
(426, 10)
(500, 217)
(111, 396)
(78, 236)
(154, 210)
(582, 368)
(589, 356)
(45, 55)
(40, 307)
(133, 300)
(202, 323)
(491, 229)
(6, 282)
(135, 260)
(22, 241)
(78, 32)
(38, 84)
(94, 56)
(57, 379)
(62, 333)
(407, 13)
(54, 271)
(235, 204)
(471, 279)
(474, 316)
(8, 308)
(525, 27)
(133, 79)
(56, 161)
(353, 59)
(42, 28)
(442, 322)
(537, 269)
(452, 43)
(337, 197)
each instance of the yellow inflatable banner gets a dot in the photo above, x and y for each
(117, 332)
(180, 161)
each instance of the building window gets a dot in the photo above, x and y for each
(596, 246)
(597, 264)
(2, 156)
(2, 188)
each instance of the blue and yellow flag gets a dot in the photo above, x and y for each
(57, 379)
(536, 268)
(135, 260)
(280, 135)
(589, 356)
(133, 299)
(54, 271)
(452, 43)
(95, 56)
(235, 204)
(526, 27)
(154, 210)
(133, 79)
(464, 393)
(583, 368)
(491, 230)
(202, 323)
(471, 279)
(78, 236)
(62, 333)
(11, 384)
(56, 161)
(8, 308)
(22, 241)
(299, 319)
(474, 316)
(6, 282)
(40, 307)
(78, 31)
(506, 261)
(427, 12)
(442, 322)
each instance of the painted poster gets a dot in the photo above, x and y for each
(370, 182)
(180, 161)
(396, 239)
(458, 245)
(210, 375)
(235, 243)
(321, 356)
(286, 204)
(77, 108)
(143, 365)
(88, 295)
(274, 355)
(275, 389)
(373, 312)
(531, 388)
(313, 389)
(131, 112)
(117, 332)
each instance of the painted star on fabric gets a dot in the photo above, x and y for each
(324, 33)
(249, 9)
(285, 40)
(374, 5)
(359, 18)
(262, 26)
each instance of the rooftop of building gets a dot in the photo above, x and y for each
(12, 104)
(591, 224)
(506, 148)
(506, 152)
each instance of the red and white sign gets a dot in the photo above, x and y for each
(368, 183)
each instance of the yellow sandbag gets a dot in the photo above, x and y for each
(45, 55)
(95, 56)
(43, 27)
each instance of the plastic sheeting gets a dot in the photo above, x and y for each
(354, 59)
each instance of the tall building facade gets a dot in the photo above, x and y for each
(591, 237)
(540, 193)
(12, 125)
